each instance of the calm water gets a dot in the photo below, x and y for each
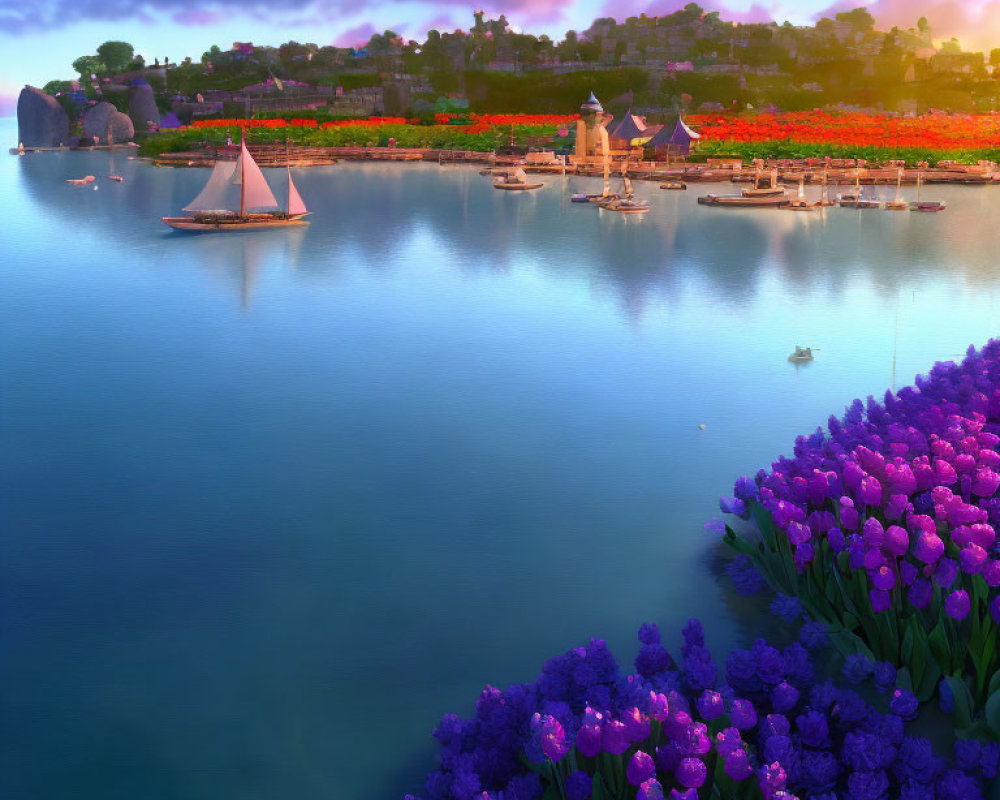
(272, 503)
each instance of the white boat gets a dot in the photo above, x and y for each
(516, 180)
(216, 208)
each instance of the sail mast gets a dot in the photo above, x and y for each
(243, 181)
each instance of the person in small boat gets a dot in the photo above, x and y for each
(802, 352)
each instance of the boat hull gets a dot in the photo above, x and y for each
(515, 187)
(742, 201)
(235, 224)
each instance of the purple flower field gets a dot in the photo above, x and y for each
(879, 537)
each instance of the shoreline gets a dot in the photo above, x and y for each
(789, 171)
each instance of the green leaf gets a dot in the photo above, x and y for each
(938, 642)
(993, 712)
(904, 680)
(994, 684)
(963, 702)
(925, 689)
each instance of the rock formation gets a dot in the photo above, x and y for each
(41, 121)
(142, 106)
(104, 119)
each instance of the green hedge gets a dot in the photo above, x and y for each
(786, 149)
(436, 137)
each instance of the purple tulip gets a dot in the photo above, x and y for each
(904, 704)
(896, 506)
(650, 790)
(957, 605)
(907, 573)
(883, 578)
(728, 740)
(743, 715)
(553, 738)
(615, 738)
(929, 548)
(737, 765)
(691, 773)
(972, 558)
(836, 539)
(880, 600)
(945, 572)
(848, 514)
(897, 540)
(870, 491)
(640, 768)
(920, 593)
(711, 705)
(771, 779)
(659, 708)
(784, 697)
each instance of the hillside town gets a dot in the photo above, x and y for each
(691, 60)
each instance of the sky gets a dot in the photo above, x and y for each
(40, 40)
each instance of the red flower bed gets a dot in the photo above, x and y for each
(931, 131)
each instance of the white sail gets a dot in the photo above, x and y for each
(256, 194)
(295, 204)
(218, 194)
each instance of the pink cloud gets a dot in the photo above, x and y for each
(757, 12)
(355, 37)
(973, 23)
(195, 16)
(8, 105)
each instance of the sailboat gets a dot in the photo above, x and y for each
(625, 202)
(800, 203)
(605, 196)
(216, 208)
(899, 204)
(926, 205)
(858, 199)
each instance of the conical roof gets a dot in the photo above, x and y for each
(682, 133)
(631, 127)
(592, 104)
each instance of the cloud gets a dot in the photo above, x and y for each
(195, 16)
(17, 16)
(974, 22)
(355, 37)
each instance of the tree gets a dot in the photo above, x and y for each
(116, 55)
(860, 19)
(995, 57)
(89, 65)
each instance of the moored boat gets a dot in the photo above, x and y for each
(514, 180)
(801, 354)
(742, 201)
(216, 209)
(673, 185)
(926, 205)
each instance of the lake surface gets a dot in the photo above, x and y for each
(272, 503)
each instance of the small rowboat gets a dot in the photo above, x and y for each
(674, 185)
(117, 178)
(801, 354)
(514, 180)
(626, 205)
(929, 205)
(516, 186)
(81, 181)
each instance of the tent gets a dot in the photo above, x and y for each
(631, 127)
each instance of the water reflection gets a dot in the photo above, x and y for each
(376, 210)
